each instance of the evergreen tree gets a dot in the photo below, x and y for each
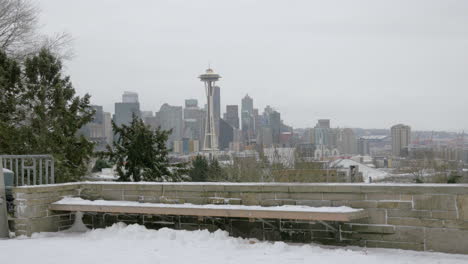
(141, 154)
(200, 169)
(216, 172)
(47, 116)
(10, 93)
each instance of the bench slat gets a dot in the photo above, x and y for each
(213, 212)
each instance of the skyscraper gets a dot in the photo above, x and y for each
(401, 137)
(211, 139)
(193, 120)
(347, 142)
(247, 119)
(217, 107)
(124, 111)
(170, 118)
(232, 115)
(95, 130)
(129, 97)
(275, 125)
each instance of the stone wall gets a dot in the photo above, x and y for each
(31, 208)
(426, 217)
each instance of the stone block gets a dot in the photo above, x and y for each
(458, 224)
(434, 202)
(398, 245)
(408, 213)
(306, 196)
(450, 215)
(363, 204)
(382, 196)
(362, 228)
(447, 240)
(113, 195)
(462, 204)
(314, 203)
(394, 204)
(343, 196)
(406, 221)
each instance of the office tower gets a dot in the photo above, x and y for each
(346, 141)
(217, 108)
(170, 118)
(146, 114)
(193, 120)
(323, 123)
(232, 115)
(274, 122)
(226, 134)
(124, 112)
(211, 139)
(401, 137)
(191, 103)
(363, 148)
(247, 119)
(95, 130)
(108, 127)
(129, 97)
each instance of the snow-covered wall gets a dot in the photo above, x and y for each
(429, 217)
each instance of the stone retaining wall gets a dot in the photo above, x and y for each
(426, 217)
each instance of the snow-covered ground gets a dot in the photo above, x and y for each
(367, 172)
(121, 244)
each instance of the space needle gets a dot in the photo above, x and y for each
(211, 139)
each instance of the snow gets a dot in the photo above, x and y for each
(367, 172)
(122, 244)
(291, 208)
(7, 171)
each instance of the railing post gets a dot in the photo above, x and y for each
(4, 233)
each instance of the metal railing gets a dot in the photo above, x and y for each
(30, 169)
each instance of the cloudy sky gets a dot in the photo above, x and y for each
(368, 63)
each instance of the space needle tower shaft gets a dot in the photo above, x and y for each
(211, 139)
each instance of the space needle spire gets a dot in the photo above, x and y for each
(211, 139)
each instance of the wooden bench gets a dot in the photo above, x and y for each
(338, 214)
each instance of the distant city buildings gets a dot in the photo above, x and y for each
(401, 137)
(98, 130)
(125, 110)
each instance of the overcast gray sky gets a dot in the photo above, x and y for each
(366, 63)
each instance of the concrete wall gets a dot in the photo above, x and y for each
(425, 217)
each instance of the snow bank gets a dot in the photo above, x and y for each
(121, 244)
(292, 208)
(367, 172)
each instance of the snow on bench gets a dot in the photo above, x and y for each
(293, 212)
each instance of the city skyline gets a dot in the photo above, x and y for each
(369, 67)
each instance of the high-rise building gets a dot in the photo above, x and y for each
(95, 130)
(323, 123)
(124, 112)
(146, 114)
(346, 141)
(247, 119)
(401, 137)
(193, 120)
(363, 148)
(217, 108)
(232, 115)
(274, 122)
(170, 118)
(226, 132)
(129, 97)
(108, 127)
(210, 142)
